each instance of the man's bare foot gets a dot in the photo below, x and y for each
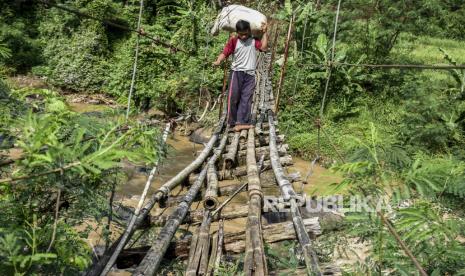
(241, 127)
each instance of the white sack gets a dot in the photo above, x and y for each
(229, 16)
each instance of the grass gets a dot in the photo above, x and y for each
(426, 50)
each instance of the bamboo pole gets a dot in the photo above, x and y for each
(243, 136)
(311, 259)
(199, 248)
(152, 260)
(213, 253)
(242, 170)
(211, 195)
(255, 260)
(230, 157)
(217, 251)
(283, 67)
(198, 255)
(136, 58)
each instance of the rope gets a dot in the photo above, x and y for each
(301, 56)
(319, 120)
(134, 68)
(332, 59)
(393, 66)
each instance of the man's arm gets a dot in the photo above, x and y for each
(264, 41)
(220, 58)
(227, 51)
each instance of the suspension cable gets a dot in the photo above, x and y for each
(136, 55)
(331, 59)
(392, 66)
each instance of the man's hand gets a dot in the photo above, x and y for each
(264, 27)
(218, 61)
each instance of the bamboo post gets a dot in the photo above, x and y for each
(223, 92)
(283, 67)
(273, 53)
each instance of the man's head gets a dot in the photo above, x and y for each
(243, 29)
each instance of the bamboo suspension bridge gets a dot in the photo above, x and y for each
(248, 157)
(257, 161)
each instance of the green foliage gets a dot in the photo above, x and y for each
(5, 52)
(282, 256)
(230, 268)
(17, 33)
(12, 245)
(88, 156)
(74, 60)
(377, 164)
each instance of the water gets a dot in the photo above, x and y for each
(85, 107)
(180, 154)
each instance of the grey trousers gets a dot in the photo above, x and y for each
(241, 88)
